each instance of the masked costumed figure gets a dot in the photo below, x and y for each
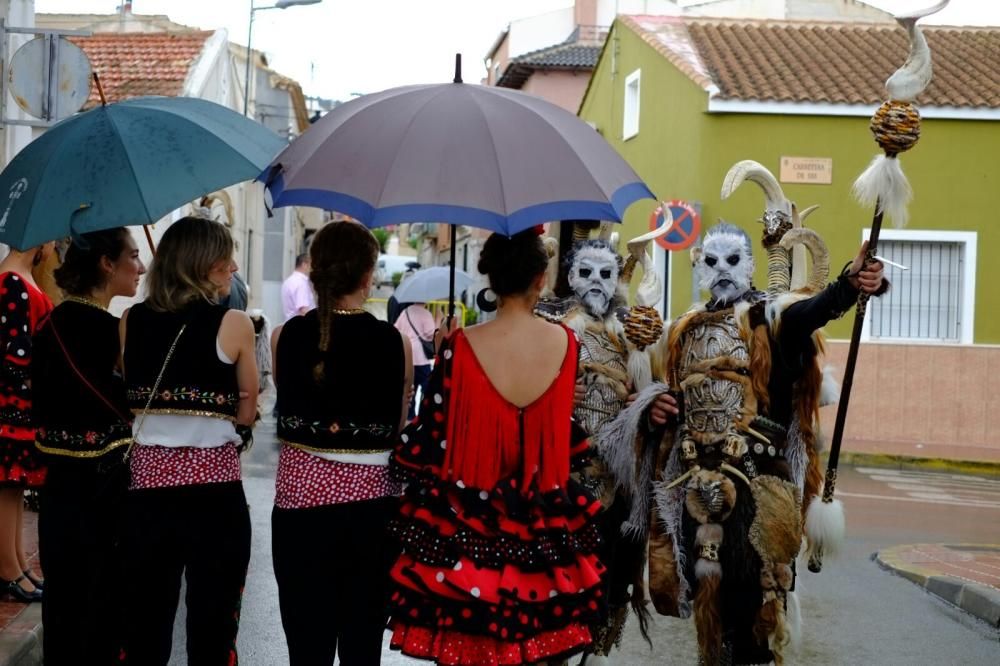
(617, 342)
(735, 470)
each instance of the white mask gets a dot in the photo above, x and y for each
(593, 276)
(725, 267)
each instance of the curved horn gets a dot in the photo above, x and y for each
(820, 255)
(757, 173)
(807, 212)
(799, 251)
(649, 290)
(776, 219)
(910, 80)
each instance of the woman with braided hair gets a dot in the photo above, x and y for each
(342, 378)
(191, 381)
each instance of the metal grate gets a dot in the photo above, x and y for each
(925, 302)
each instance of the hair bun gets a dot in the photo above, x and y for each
(513, 262)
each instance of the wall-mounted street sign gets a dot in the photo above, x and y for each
(808, 170)
(685, 229)
(48, 77)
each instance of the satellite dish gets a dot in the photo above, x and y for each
(50, 77)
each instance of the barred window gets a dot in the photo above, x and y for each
(931, 301)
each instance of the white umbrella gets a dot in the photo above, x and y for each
(430, 284)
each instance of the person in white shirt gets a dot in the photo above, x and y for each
(297, 297)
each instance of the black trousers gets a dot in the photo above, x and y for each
(332, 565)
(200, 531)
(79, 527)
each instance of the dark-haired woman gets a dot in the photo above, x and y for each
(83, 429)
(342, 379)
(22, 307)
(499, 561)
(191, 378)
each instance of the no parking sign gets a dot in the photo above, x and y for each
(685, 228)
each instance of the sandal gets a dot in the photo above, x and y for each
(14, 589)
(37, 582)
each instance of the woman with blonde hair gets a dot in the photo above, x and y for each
(343, 379)
(191, 378)
(23, 306)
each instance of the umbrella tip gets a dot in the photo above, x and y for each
(458, 68)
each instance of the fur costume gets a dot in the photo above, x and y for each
(617, 343)
(732, 476)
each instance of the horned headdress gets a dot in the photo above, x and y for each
(784, 236)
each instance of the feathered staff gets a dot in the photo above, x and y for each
(896, 126)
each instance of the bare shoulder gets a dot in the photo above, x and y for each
(236, 322)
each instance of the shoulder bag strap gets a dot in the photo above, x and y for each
(414, 328)
(156, 387)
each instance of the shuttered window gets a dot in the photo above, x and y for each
(926, 302)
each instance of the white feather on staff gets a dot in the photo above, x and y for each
(896, 126)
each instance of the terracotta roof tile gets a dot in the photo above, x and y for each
(136, 64)
(839, 63)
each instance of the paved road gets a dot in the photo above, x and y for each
(854, 612)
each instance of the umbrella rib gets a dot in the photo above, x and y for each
(569, 143)
(496, 157)
(41, 179)
(399, 147)
(131, 167)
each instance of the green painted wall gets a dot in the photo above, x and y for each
(683, 152)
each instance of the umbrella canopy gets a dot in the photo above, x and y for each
(431, 284)
(487, 157)
(127, 163)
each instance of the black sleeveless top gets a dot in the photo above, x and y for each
(357, 407)
(196, 382)
(73, 419)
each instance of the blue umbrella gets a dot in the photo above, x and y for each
(481, 156)
(127, 163)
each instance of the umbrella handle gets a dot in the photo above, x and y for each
(451, 277)
(149, 239)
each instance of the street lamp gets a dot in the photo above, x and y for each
(280, 4)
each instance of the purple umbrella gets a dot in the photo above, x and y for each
(456, 153)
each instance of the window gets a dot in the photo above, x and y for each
(933, 301)
(630, 126)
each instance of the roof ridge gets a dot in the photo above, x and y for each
(799, 22)
(820, 62)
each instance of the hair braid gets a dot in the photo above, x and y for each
(341, 255)
(324, 309)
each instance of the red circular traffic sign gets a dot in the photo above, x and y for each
(685, 228)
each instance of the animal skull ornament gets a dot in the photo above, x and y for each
(725, 263)
(593, 276)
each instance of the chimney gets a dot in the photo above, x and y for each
(585, 12)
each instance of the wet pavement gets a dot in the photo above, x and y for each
(854, 612)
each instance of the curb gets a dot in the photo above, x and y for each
(978, 467)
(974, 598)
(21, 639)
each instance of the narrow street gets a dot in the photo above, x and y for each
(853, 612)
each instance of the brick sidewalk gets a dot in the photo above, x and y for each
(20, 623)
(965, 575)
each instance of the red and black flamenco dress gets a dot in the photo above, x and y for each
(498, 562)
(22, 308)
